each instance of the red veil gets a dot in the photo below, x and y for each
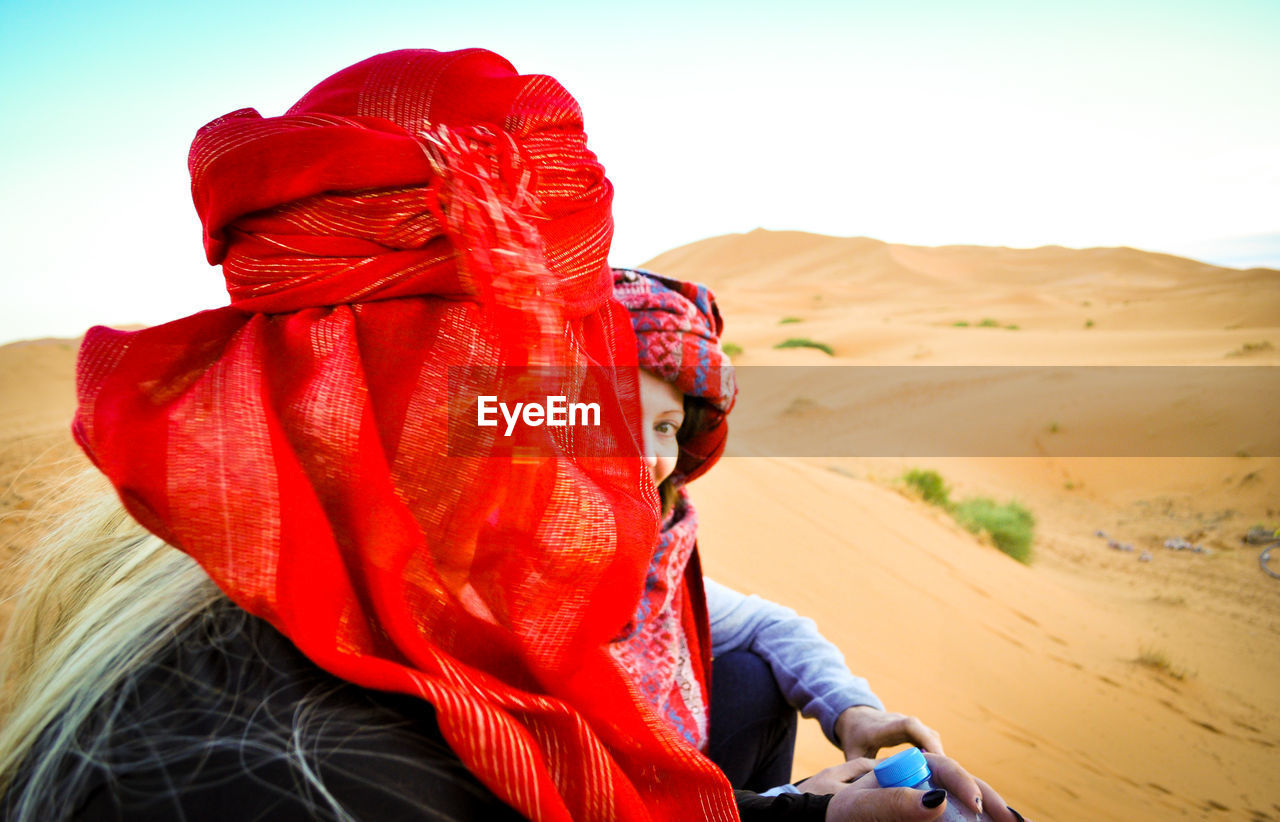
(413, 213)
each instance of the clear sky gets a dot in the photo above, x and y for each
(1079, 123)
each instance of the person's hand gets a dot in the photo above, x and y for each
(866, 801)
(837, 777)
(874, 804)
(864, 730)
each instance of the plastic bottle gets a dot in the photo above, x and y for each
(909, 769)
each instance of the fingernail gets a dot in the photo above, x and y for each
(1016, 815)
(934, 798)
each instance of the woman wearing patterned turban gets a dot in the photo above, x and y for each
(768, 662)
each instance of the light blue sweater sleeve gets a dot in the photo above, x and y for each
(811, 672)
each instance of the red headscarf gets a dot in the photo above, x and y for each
(414, 212)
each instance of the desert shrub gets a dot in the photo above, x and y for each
(1157, 660)
(961, 324)
(731, 349)
(1088, 323)
(929, 485)
(805, 342)
(987, 322)
(1009, 525)
(789, 320)
(1251, 348)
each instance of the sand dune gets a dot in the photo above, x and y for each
(1029, 672)
(37, 399)
(854, 286)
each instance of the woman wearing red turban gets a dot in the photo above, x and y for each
(414, 220)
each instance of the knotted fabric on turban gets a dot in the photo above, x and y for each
(416, 212)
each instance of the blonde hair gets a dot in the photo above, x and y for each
(104, 608)
(99, 597)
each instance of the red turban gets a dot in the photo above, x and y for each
(414, 213)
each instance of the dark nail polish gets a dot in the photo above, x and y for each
(934, 798)
(1016, 815)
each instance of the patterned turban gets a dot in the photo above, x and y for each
(677, 327)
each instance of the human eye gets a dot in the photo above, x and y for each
(666, 427)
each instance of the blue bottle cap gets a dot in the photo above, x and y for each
(902, 770)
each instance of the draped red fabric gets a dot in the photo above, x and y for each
(414, 213)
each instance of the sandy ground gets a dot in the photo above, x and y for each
(37, 400)
(1030, 672)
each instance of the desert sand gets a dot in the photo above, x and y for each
(1031, 673)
